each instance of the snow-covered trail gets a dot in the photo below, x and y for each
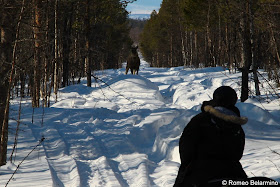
(127, 134)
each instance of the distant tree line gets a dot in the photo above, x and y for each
(240, 34)
(136, 28)
(47, 44)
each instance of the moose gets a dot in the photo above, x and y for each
(133, 61)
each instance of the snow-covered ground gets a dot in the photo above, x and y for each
(127, 133)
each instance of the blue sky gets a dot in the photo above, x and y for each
(144, 6)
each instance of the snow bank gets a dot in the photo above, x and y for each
(126, 132)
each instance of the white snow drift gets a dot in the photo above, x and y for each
(126, 132)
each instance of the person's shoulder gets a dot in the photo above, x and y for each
(201, 116)
(200, 119)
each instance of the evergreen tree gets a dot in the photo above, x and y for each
(199, 33)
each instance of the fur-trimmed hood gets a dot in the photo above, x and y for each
(232, 118)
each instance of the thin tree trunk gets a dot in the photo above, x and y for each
(220, 43)
(196, 50)
(191, 48)
(38, 51)
(55, 77)
(46, 59)
(208, 49)
(247, 52)
(171, 51)
(22, 84)
(5, 56)
(6, 88)
(228, 50)
(183, 33)
(66, 45)
(158, 63)
(87, 45)
(253, 49)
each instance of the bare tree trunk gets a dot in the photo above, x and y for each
(228, 49)
(183, 36)
(55, 77)
(157, 55)
(66, 45)
(247, 53)
(196, 50)
(5, 62)
(75, 57)
(253, 49)
(38, 51)
(219, 43)
(208, 39)
(87, 45)
(171, 51)
(191, 48)
(4, 109)
(22, 84)
(5, 87)
(46, 59)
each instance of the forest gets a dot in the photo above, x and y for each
(49, 44)
(240, 35)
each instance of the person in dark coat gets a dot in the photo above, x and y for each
(213, 143)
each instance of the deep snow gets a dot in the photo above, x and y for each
(127, 133)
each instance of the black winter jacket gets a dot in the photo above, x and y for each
(211, 146)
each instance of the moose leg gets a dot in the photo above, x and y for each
(131, 71)
(126, 70)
